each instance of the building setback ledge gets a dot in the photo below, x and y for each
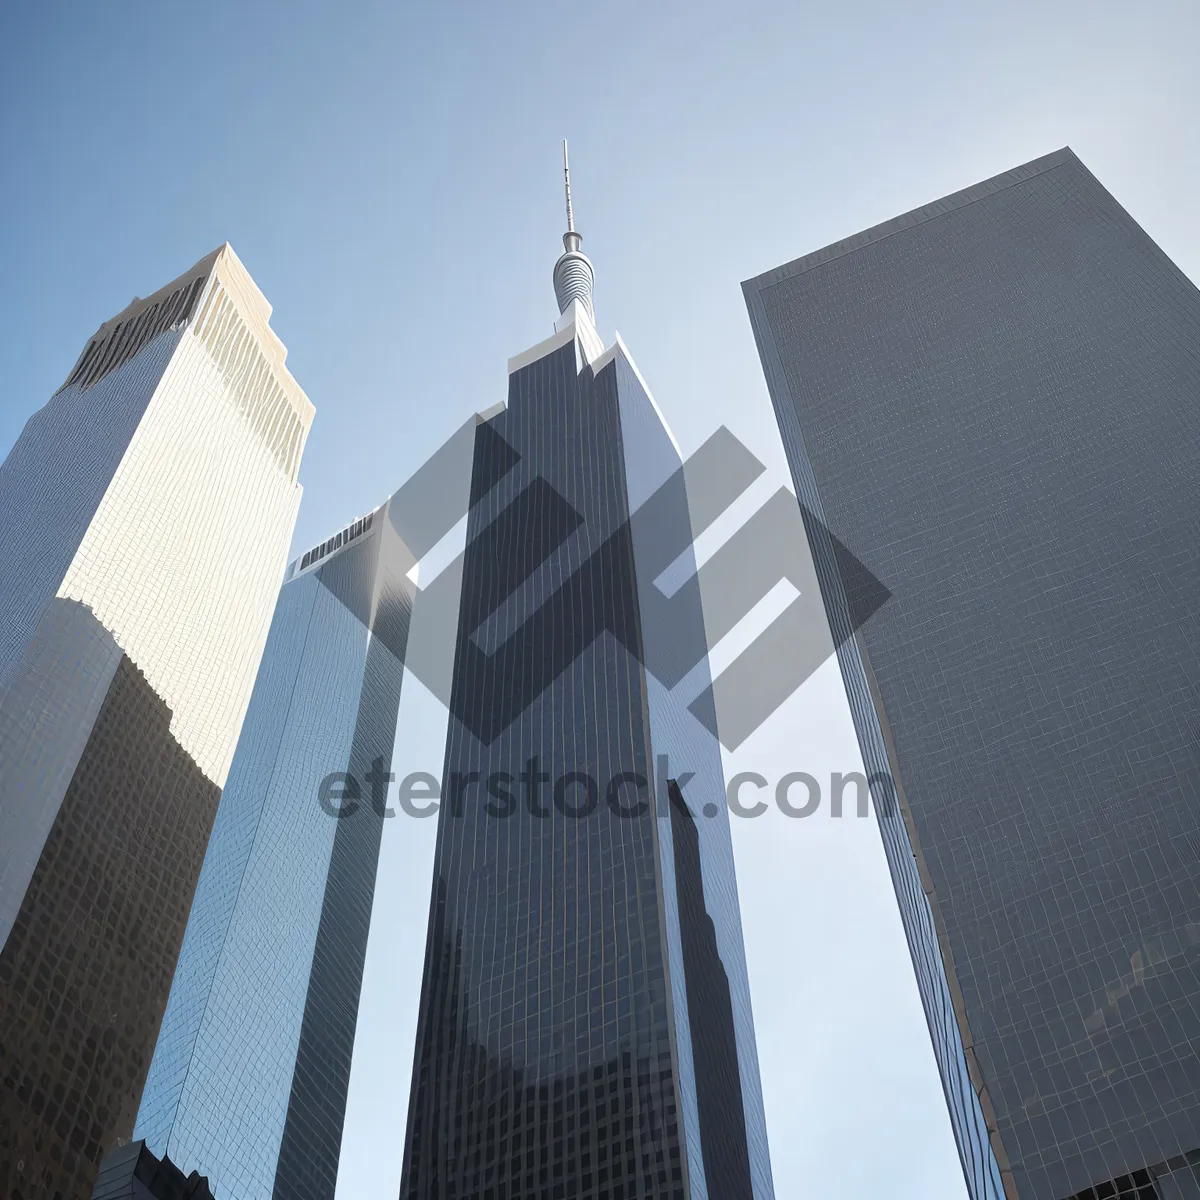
(132, 1172)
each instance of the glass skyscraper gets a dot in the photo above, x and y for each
(249, 1079)
(993, 401)
(585, 1030)
(149, 506)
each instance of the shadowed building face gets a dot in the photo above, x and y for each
(993, 401)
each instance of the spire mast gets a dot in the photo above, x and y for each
(567, 181)
(571, 239)
(573, 275)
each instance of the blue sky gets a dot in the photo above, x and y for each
(389, 174)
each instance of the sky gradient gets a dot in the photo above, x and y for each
(389, 174)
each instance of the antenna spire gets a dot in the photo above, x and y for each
(567, 181)
(573, 274)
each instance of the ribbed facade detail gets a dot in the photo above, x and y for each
(113, 347)
(271, 408)
(329, 545)
(190, 455)
(574, 279)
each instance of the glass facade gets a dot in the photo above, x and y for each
(554, 1056)
(147, 482)
(248, 1083)
(718, 1057)
(991, 400)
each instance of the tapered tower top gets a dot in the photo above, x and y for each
(573, 274)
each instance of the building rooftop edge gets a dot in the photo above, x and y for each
(224, 264)
(201, 268)
(560, 337)
(574, 324)
(916, 216)
(619, 348)
(256, 312)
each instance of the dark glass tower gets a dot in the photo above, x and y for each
(585, 1027)
(993, 401)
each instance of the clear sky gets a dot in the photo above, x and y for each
(389, 174)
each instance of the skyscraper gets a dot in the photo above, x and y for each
(992, 400)
(248, 1083)
(149, 507)
(585, 1028)
(249, 1080)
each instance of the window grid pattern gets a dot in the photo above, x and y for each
(545, 1064)
(184, 554)
(1176, 1179)
(86, 969)
(217, 1100)
(997, 397)
(248, 1083)
(370, 580)
(151, 536)
(52, 486)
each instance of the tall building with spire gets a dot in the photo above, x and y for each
(585, 1028)
(149, 506)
